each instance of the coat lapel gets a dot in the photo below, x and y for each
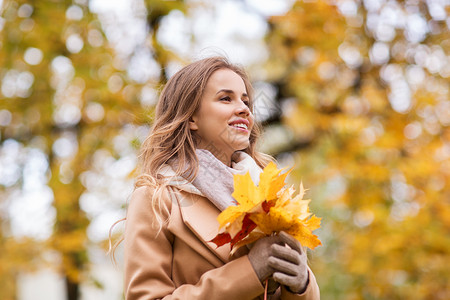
(200, 216)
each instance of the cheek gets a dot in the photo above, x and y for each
(252, 120)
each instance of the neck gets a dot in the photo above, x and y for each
(223, 156)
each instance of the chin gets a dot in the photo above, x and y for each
(241, 146)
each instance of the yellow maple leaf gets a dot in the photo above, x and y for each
(249, 196)
(267, 209)
(271, 182)
(290, 215)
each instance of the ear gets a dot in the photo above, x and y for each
(193, 123)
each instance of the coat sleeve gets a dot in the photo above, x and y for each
(148, 261)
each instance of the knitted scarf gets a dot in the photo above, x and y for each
(214, 179)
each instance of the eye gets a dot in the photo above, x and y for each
(246, 102)
(226, 98)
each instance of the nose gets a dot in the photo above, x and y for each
(243, 109)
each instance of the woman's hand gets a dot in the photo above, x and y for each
(282, 257)
(289, 264)
(260, 253)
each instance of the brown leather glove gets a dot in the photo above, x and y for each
(282, 257)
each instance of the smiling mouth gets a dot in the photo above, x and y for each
(240, 126)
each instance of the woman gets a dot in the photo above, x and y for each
(203, 133)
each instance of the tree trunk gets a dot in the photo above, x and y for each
(73, 289)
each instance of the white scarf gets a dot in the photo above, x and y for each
(214, 179)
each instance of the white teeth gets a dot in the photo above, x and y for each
(241, 125)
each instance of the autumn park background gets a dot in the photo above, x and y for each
(353, 93)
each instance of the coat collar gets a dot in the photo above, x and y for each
(200, 216)
(198, 213)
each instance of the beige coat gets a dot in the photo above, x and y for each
(179, 262)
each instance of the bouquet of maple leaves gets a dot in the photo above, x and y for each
(265, 210)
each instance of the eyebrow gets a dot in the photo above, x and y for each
(230, 92)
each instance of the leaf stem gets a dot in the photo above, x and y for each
(265, 289)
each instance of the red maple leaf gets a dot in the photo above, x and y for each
(221, 239)
(224, 237)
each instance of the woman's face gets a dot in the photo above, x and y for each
(224, 121)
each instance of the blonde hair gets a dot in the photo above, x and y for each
(171, 137)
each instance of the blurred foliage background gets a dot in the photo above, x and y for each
(353, 93)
